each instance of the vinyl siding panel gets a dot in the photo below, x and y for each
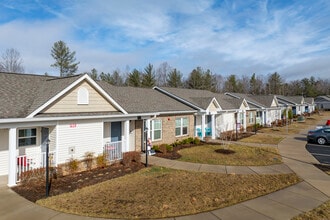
(226, 122)
(212, 107)
(4, 154)
(69, 103)
(84, 136)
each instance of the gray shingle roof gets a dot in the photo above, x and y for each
(291, 99)
(21, 94)
(200, 98)
(143, 100)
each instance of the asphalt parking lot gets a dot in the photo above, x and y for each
(320, 152)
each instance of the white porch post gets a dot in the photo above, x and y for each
(203, 126)
(244, 120)
(263, 118)
(213, 126)
(126, 128)
(12, 157)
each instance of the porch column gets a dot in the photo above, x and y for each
(213, 126)
(263, 117)
(126, 133)
(203, 126)
(12, 157)
(244, 120)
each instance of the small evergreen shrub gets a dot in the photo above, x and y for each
(169, 147)
(156, 148)
(196, 140)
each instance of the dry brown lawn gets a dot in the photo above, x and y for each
(320, 213)
(158, 192)
(240, 156)
(263, 138)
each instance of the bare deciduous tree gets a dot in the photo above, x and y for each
(11, 61)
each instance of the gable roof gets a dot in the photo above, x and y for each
(197, 99)
(295, 100)
(143, 100)
(26, 95)
(18, 93)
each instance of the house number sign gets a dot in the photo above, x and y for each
(73, 125)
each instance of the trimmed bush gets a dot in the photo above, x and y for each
(169, 147)
(130, 157)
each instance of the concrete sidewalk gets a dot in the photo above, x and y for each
(283, 204)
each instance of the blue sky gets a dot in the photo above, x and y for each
(228, 37)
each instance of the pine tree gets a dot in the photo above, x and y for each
(65, 60)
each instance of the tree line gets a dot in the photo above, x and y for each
(167, 76)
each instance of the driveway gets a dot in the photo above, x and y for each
(319, 152)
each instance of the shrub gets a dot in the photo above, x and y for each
(190, 140)
(169, 147)
(156, 148)
(88, 160)
(196, 140)
(33, 175)
(72, 165)
(101, 160)
(130, 157)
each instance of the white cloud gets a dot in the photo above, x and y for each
(226, 37)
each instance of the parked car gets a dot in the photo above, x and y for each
(320, 136)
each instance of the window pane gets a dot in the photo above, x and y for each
(27, 132)
(185, 122)
(27, 141)
(178, 122)
(157, 124)
(157, 135)
(177, 131)
(185, 130)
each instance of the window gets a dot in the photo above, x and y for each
(27, 137)
(155, 130)
(181, 126)
(83, 96)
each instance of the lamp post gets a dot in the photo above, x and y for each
(146, 140)
(47, 168)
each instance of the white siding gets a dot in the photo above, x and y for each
(225, 122)
(84, 136)
(106, 133)
(4, 154)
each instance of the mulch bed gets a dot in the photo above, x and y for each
(36, 189)
(174, 155)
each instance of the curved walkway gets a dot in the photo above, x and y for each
(283, 204)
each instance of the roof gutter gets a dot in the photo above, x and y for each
(51, 119)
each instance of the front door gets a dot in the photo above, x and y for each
(115, 131)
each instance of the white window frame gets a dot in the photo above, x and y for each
(152, 129)
(82, 96)
(27, 136)
(181, 126)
